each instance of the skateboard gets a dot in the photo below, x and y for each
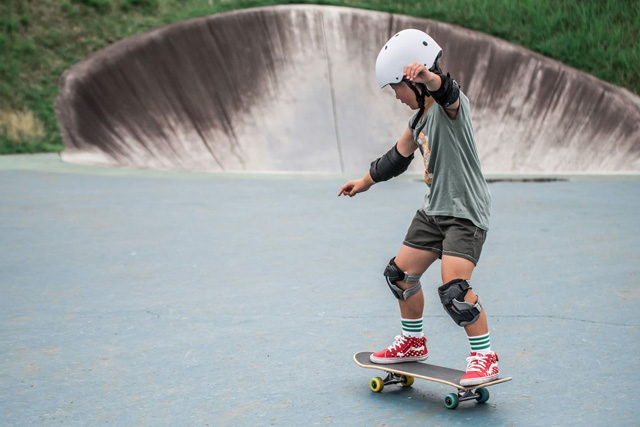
(405, 372)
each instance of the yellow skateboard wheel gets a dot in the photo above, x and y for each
(407, 381)
(376, 384)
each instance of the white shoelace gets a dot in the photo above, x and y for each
(399, 340)
(477, 363)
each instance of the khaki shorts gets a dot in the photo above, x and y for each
(446, 235)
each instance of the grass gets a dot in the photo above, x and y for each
(39, 39)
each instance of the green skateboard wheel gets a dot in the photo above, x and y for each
(451, 401)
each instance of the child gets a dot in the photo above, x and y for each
(454, 219)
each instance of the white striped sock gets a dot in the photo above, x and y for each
(481, 343)
(412, 327)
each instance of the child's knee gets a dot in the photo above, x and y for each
(402, 284)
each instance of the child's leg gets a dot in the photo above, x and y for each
(412, 344)
(482, 363)
(415, 262)
(461, 268)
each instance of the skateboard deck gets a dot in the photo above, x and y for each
(405, 372)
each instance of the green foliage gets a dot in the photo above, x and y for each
(146, 5)
(39, 39)
(8, 24)
(28, 145)
(98, 5)
(25, 20)
(69, 9)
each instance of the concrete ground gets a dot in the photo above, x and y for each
(164, 298)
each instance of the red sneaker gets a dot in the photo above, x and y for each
(404, 349)
(481, 368)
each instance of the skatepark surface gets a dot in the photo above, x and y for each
(189, 262)
(174, 298)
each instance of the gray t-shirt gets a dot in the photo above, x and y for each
(452, 168)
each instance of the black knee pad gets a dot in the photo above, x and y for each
(393, 274)
(452, 297)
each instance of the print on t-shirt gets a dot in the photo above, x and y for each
(424, 144)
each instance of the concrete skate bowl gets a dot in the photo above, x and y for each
(293, 88)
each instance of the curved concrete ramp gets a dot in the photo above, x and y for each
(293, 89)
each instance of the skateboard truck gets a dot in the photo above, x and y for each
(452, 400)
(391, 378)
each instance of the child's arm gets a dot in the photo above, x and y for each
(352, 188)
(406, 146)
(420, 74)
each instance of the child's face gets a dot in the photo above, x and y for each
(405, 95)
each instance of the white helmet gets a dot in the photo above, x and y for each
(404, 48)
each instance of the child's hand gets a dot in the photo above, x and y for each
(352, 188)
(418, 73)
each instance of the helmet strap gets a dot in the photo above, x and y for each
(420, 90)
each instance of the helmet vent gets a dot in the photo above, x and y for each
(385, 48)
(425, 43)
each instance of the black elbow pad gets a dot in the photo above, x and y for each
(448, 93)
(390, 165)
